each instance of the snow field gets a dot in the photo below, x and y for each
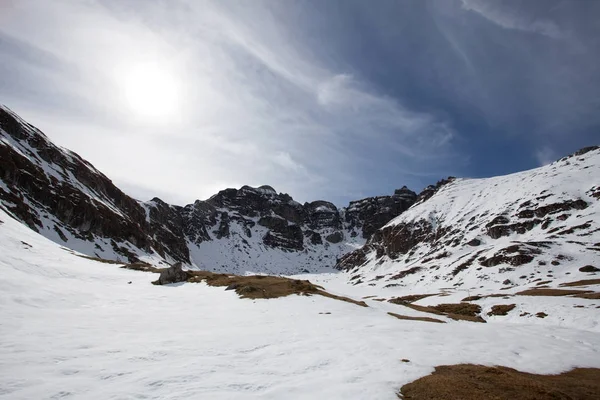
(74, 328)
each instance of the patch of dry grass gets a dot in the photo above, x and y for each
(583, 282)
(144, 267)
(472, 298)
(264, 286)
(411, 298)
(551, 292)
(102, 260)
(457, 312)
(478, 382)
(423, 319)
(502, 309)
(590, 296)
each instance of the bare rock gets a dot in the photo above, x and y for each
(174, 274)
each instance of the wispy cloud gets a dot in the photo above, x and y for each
(257, 106)
(510, 18)
(545, 156)
(318, 99)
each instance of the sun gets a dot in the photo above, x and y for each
(151, 92)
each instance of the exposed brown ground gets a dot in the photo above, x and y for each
(140, 266)
(102, 260)
(265, 287)
(478, 382)
(411, 298)
(458, 311)
(551, 292)
(501, 309)
(591, 296)
(253, 286)
(583, 282)
(424, 319)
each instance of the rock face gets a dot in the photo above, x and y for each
(50, 188)
(173, 274)
(536, 225)
(368, 215)
(63, 197)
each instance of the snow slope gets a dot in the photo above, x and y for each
(502, 233)
(73, 328)
(244, 254)
(63, 197)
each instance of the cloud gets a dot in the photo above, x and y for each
(508, 18)
(545, 156)
(318, 99)
(257, 104)
(285, 160)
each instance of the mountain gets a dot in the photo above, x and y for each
(466, 276)
(63, 197)
(530, 228)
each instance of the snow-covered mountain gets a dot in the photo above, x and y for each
(60, 195)
(451, 276)
(530, 228)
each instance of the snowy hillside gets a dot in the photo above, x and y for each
(60, 195)
(530, 229)
(77, 328)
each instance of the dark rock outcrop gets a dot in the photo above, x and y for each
(85, 201)
(372, 213)
(173, 274)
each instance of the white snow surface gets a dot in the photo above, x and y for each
(73, 328)
(242, 254)
(467, 205)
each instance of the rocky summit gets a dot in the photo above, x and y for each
(62, 196)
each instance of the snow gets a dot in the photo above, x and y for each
(242, 254)
(75, 328)
(469, 204)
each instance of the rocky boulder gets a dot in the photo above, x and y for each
(173, 274)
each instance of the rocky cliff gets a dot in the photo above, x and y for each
(60, 195)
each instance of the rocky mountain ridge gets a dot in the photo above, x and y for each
(523, 229)
(62, 196)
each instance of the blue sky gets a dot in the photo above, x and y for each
(322, 99)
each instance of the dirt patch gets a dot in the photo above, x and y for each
(102, 260)
(461, 311)
(264, 286)
(478, 382)
(583, 282)
(551, 292)
(424, 319)
(590, 296)
(501, 309)
(253, 286)
(457, 312)
(140, 266)
(472, 298)
(411, 298)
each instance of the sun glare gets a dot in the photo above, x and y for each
(152, 93)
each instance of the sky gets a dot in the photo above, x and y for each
(321, 99)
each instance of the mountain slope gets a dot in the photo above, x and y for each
(77, 328)
(537, 226)
(63, 197)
